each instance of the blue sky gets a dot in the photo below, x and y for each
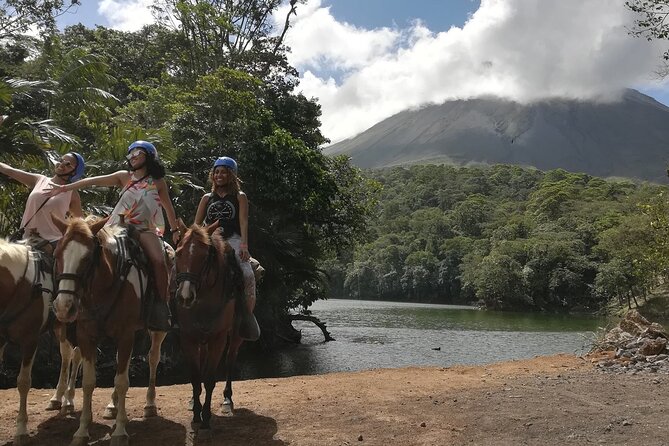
(438, 15)
(366, 60)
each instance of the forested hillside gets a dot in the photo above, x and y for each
(506, 237)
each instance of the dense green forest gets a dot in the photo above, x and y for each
(219, 83)
(506, 237)
(216, 84)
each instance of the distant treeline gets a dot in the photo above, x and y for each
(507, 237)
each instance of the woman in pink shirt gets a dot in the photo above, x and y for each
(36, 217)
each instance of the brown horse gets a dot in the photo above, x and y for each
(102, 290)
(209, 289)
(25, 299)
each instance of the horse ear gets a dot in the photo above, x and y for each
(95, 227)
(211, 228)
(60, 223)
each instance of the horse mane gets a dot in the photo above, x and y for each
(198, 234)
(77, 226)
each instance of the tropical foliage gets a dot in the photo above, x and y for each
(505, 237)
(209, 79)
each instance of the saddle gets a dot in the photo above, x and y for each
(130, 254)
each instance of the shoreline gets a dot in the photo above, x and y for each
(547, 400)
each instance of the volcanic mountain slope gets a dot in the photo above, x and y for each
(628, 138)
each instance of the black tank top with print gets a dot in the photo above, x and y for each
(226, 211)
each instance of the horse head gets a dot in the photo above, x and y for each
(193, 261)
(75, 258)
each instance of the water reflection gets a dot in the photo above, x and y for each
(372, 334)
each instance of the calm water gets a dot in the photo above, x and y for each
(371, 334)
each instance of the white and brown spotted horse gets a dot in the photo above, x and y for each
(25, 296)
(101, 288)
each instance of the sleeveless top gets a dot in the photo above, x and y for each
(226, 211)
(139, 203)
(41, 220)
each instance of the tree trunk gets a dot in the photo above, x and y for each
(315, 320)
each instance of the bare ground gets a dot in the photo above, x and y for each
(555, 400)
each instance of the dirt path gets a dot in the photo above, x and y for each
(553, 400)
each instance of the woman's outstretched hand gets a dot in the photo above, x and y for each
(55, 189)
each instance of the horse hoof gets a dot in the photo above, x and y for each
(54, 405)
(110, 413)
(150, 411)
(67, 409)
(119, 440)
(21, 440)
(227, 408)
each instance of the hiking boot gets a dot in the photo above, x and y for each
(159, 316)
(249, 329)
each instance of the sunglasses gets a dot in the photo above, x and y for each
(134, 154)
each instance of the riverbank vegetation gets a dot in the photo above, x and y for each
(509, 238)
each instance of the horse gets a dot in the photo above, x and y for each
(101, 288)
(209, 292)
(24, 314)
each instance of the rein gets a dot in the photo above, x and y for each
(196, 279)
(124, 262)
(83, 278)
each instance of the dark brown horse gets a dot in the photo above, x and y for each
(209, 289)
(25, 296)
(103, 292)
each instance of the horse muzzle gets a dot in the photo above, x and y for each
(65, 308)
(186, 294)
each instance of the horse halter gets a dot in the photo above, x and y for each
(196, 279)
(78, 277)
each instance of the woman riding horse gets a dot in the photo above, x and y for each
(226, 210)
(23, 315)
(144, 195)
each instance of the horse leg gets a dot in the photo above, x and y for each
(228, 405)
(121, 383)
(23, 382)
(112, 407)
(157, 338)
(75, 366)
(191, 350)
(215, 351)
(88, 385)
(56, 401)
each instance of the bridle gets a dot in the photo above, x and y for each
(78, 278)
(196, 279)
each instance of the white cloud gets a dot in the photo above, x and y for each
(520, 49)
(126, 15)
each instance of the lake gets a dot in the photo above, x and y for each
(373, 334)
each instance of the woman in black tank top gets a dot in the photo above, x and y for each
(226, 209)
